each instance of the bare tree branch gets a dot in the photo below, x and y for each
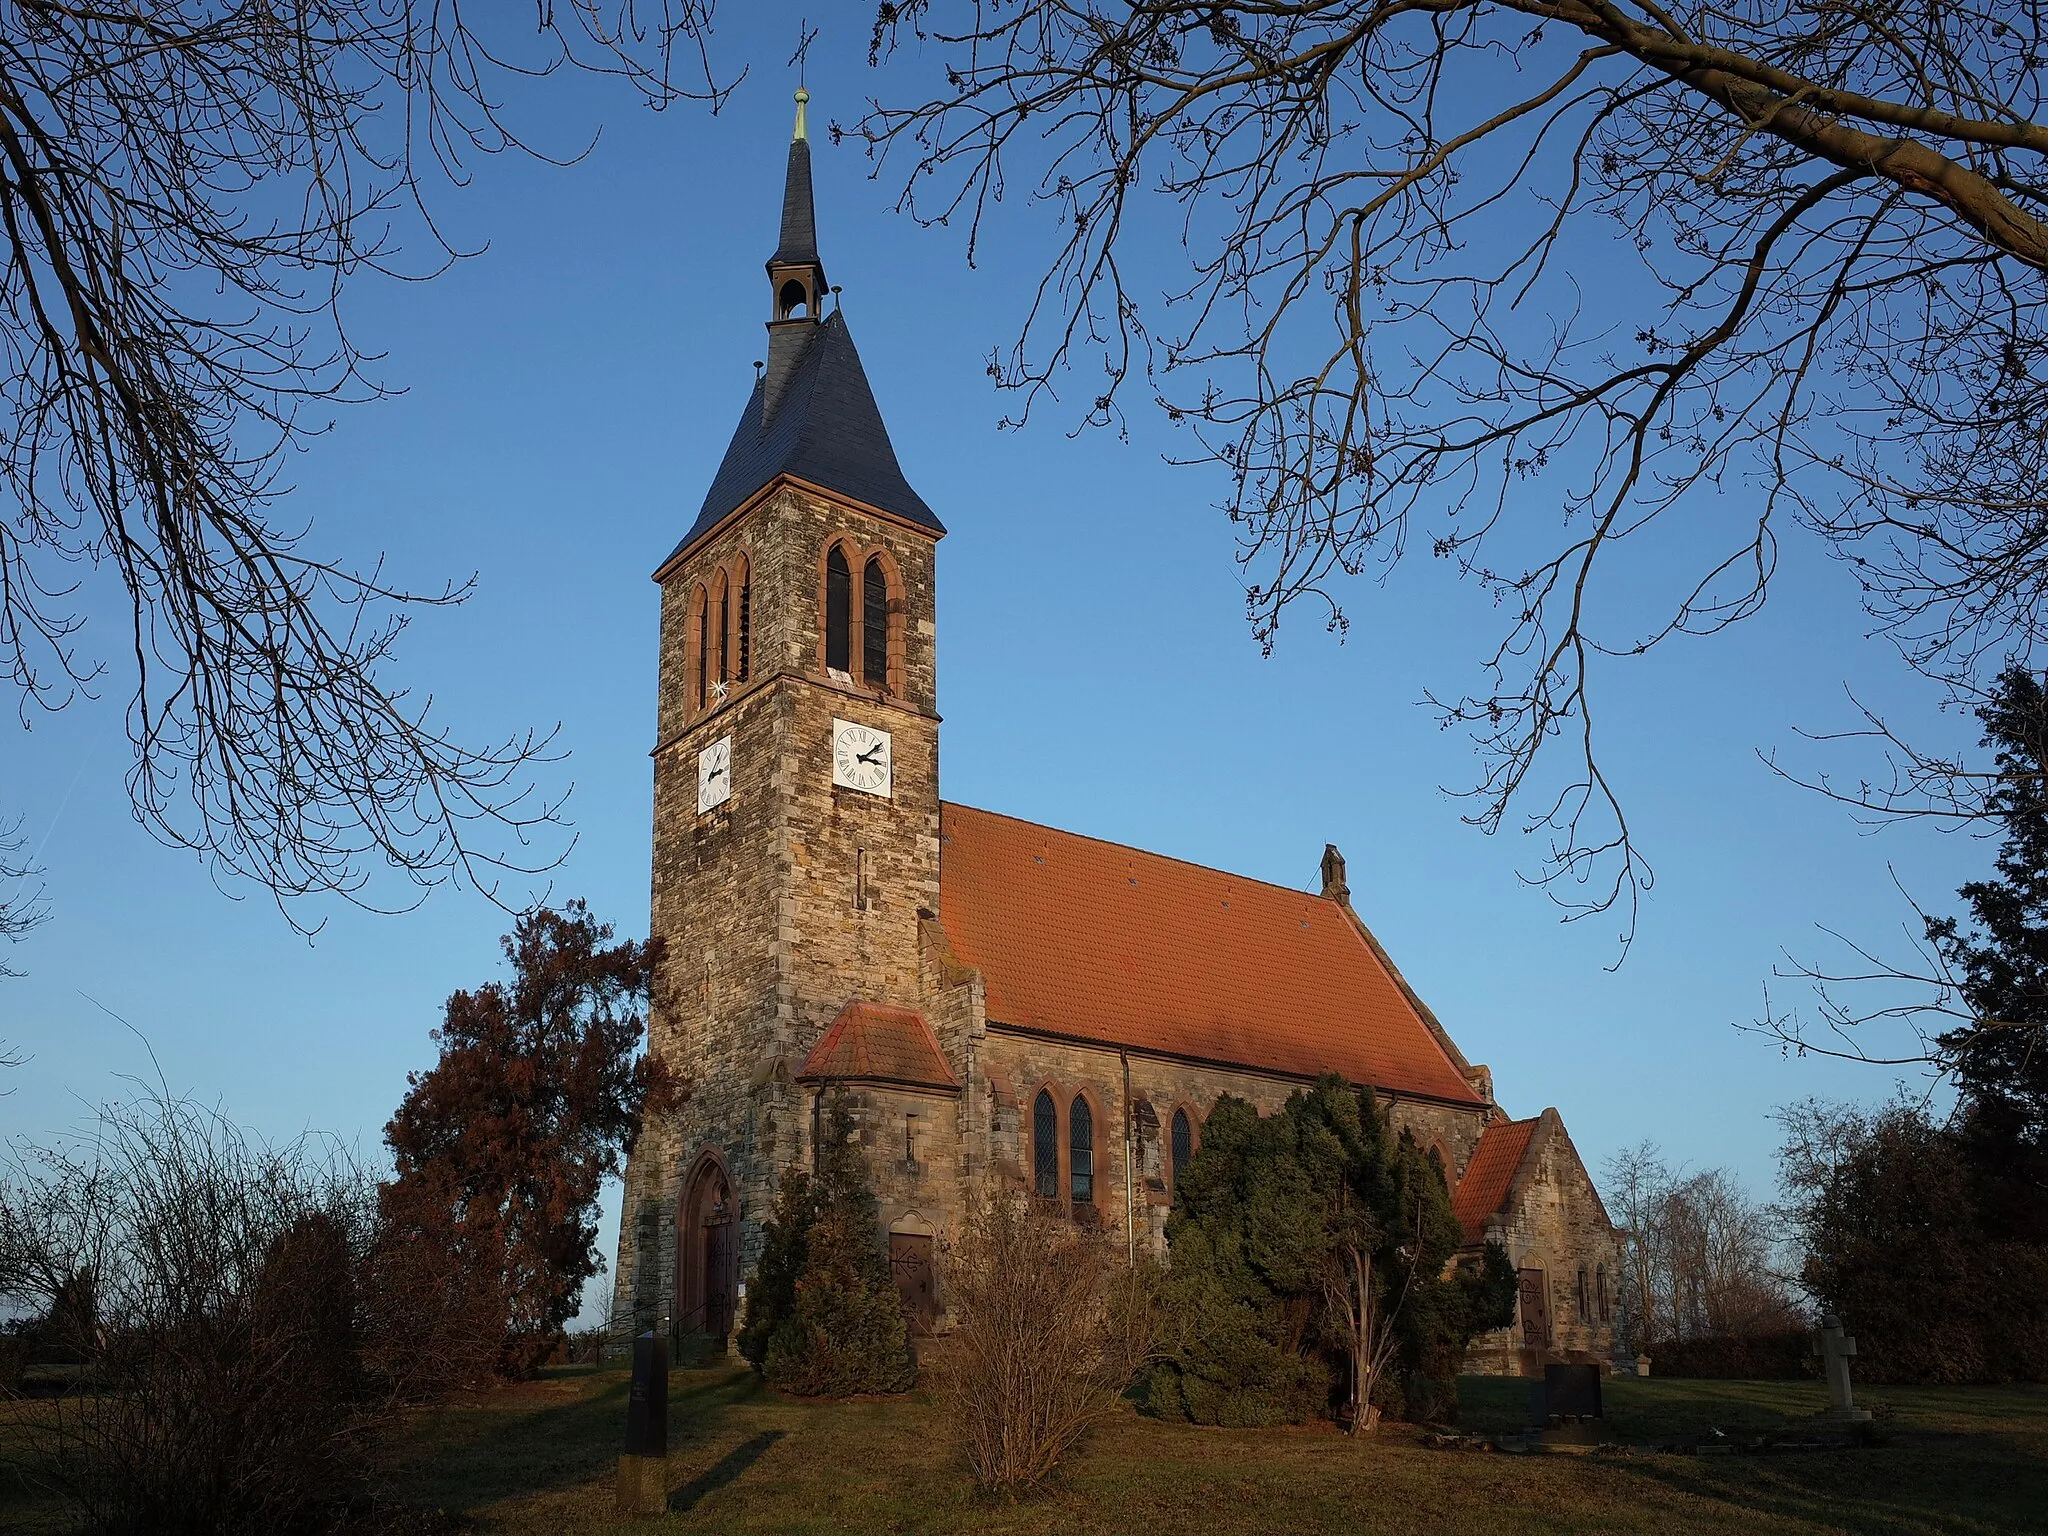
(1592, 298)
(186, 188)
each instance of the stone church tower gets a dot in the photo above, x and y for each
(1004, 1006)
(796, 799)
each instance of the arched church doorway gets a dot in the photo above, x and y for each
(707, 1257)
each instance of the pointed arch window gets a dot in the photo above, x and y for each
(1183, 1139)
(703, 645)
(838, 611)
(1600, 1290)
(1081, 1152)
(874, 623)
(746, 625)
(724, 628)
(1585, 1301)
(1045, 1146)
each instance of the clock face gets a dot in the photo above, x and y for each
(860, 758)
(714, 774)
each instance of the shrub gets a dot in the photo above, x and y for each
(222, 1337)
(823, 1316)
(1052, 1329)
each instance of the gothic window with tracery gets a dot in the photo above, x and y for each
(838, 612)
(1183, 1137)
(1045, 1146)
(1081, 1152)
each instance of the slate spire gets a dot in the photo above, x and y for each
(796, 278)
(812, 415)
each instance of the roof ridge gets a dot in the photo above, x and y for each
(1150, 853)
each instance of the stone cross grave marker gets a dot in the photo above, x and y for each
(643, 1470)
(1835, 1349)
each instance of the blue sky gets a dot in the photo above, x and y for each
(567, 394)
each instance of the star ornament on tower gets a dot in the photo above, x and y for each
(720, 689)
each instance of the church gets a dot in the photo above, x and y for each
(1005, 1006)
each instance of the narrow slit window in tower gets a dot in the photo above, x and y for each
(724, 630)
(838, 612)
(703, 645)
(1081, 1151)
(874, 625)
(746, 622)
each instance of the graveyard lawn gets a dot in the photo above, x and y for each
(538, 1459)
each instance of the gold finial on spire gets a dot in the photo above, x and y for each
(802, 97)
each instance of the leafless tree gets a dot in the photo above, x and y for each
(21, 908)
(1590, 298)
(1053, 1326)
(186, 189)
(1698, 1254)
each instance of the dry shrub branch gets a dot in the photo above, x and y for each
(209, 1288)
(1052, 1329)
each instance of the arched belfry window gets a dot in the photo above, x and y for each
(1183, 1137)
(793, 301)
(1081, 1152)
(703, 606)
(838, 611)
(745, 640)
(1045, 1146)
(874, 624)
(724, 628)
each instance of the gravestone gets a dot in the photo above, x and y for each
(1836, 1349)
(1572, 1392)
(1642, 1365)
(643, 1470)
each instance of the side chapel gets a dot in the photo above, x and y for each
(1001, 1002)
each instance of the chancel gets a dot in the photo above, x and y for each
(1003, 1005)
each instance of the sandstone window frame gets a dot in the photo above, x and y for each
(718, 633)
(1046, 1139)
(851, 628)
(1081, 1150)
(1064, 1097)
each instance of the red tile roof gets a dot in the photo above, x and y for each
(1100, 942)
(1484, 1188)
(873, 1042)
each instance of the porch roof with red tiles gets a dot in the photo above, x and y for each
(1490, 1173)
(873, 1042)
(1103, 943)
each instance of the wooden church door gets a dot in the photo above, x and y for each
(1535, 1298)
(910, 1262)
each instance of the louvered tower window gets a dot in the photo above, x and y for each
(1183, 1143)
(1081, 1152)
(724, 629)
(838, 611)
(1045, 1146)
(874, 624)
(746, 620)
(703, 645)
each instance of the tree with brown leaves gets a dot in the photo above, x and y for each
(503, 1146)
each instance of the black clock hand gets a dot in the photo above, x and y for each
(869, 755)
(714, 773)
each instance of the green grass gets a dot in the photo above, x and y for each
(538, 1459)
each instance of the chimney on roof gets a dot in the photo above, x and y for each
(1334, 888)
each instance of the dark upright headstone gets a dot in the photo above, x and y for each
(643, 1470)
(1572, 1392)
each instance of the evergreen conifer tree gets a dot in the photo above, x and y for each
(1278, 1216)
(823, 1315)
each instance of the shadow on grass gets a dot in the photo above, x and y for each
(1953, 1487)
(503, 1446)
(727, 1470)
